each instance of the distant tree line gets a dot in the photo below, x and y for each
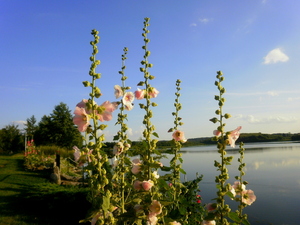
(247, 138)
(244, 137)
(55, 129)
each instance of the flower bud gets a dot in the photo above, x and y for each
(227, 116)
(214, 120)
(86, 83)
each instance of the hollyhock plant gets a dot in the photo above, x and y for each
(233, 136)
(179, 136)
(118, 91)
(81, 119)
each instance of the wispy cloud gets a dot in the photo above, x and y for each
(267, 93)
(275, 56)
(267, 120)
(201, 21)
(19, 123)
(204, 20)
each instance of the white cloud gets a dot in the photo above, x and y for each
(204, 20)
(130, 132)
(275, 56)
(291, 99)
(193, 25)
(19, 123)
(272, 93)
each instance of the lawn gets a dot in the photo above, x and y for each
(27, 197)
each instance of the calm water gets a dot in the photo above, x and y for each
(272, 170)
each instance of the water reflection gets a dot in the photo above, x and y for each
(273, 172)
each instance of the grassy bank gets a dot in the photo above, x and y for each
(28, 198)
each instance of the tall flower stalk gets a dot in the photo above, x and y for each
(121, 165)
(178, 138)
(222, 140)
(146, 183)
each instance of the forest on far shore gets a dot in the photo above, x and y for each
(244, 137)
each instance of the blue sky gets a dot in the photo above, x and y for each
(45, 54)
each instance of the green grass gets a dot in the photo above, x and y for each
(27, 197)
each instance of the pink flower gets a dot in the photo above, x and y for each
(136, 168)
(81, 119)
(248, 197)
(137, 185)
(118, 148)
(233, 136)
(179, 136)
(108, 108)
(155, 207)
(138, 208)
(153, 92)
(95, 218)
(139, 94)
(128, 106)
(82, 104)
(147, 185)
(238, 187)
(217, 133)
(76, 153)
(174, 223)
(208, 222)
(128, 98)
(118, 91)
(211, 207)
(152, 219)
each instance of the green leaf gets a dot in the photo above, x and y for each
(182, 171)
(165, 168)
(245, 222)
(106, 202)
(155, 134)
(181, 160)
(116, 137)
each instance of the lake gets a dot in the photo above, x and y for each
(272, 170)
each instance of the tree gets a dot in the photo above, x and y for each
(31, 127)
(58, 129)
(11, 139)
